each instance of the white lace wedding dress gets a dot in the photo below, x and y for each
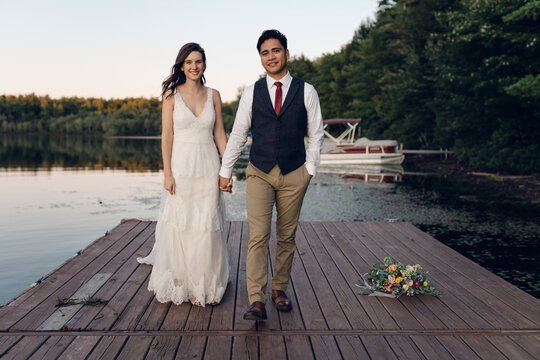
(189, 258)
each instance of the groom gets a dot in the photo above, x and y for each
(279, 110)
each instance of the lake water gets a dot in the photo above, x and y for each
(60, 193)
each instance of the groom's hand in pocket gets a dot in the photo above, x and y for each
(225, 184)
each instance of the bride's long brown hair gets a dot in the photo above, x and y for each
(177, 76)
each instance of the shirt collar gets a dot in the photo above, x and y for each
(285, 81)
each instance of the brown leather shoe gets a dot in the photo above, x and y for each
(281, 300)
(256, 311)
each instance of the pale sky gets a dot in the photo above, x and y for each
(117, 49)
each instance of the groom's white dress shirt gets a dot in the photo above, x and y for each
(242, 125)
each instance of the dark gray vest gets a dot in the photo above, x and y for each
(278, 139)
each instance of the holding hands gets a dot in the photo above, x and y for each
(225, 184)
(169, 184)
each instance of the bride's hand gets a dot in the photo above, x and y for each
(169, 184)
(225, 184)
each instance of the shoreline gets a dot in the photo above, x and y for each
(525, 188)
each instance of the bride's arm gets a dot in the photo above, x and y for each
(167, 137)
(219, 129)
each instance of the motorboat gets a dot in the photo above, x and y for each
(344, 149)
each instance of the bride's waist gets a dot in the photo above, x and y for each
(193, 136)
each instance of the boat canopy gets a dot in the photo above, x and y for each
(341, 121)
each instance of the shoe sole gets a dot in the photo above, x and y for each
(253, 317)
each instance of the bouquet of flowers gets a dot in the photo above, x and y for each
(392, 279)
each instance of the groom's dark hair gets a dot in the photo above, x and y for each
(272, 34)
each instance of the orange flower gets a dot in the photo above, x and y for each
(392, 267)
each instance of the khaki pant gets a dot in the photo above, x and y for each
(262, 192)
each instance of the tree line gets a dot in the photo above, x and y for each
(457, 74)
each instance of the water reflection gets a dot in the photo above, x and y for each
(33, 152)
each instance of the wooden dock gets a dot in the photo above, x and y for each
(480, 316)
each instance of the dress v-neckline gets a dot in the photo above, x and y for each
(191, 111)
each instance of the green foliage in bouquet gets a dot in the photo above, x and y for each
(394, 279)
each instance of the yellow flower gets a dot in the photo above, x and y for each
(399, 279)
(392, 267)
(425, 283)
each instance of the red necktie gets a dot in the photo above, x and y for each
(279, 94)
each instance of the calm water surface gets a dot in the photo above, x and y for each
(59, 194)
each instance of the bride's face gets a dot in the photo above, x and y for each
(194, 66)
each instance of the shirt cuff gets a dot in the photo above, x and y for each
(311, 169)
(225, 172)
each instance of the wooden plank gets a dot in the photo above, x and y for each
(245, 348)
(176, 317)
(191, 347)
(110, 312)
(242, 300)
(154, 316)
(404, 347)
(397, 311)
(298, 347)
(122, 266)
(135, 309)
(410, 306)
(342, 237)
(312, 315)
(457, 348)
(347, 299)
(45, 308)
(108, 347)
(79, 348)
(52, 348)
(63, 314)
(219, 347)
(136, 348)
(319, 307)
(351, 347)
(360, 255)
(378, 347)
(483, 348)
(431, 347)
(488, 306)
(6, 342)
(484, 279)
(25, 347)
(273, 347)
(509, 348)
(372, 239)
(163, 347)
(329, 304)
(530, 344)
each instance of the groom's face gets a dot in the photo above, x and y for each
(274, 58)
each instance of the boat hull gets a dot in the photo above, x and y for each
(362, 159)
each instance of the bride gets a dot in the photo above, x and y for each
(189, 258)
